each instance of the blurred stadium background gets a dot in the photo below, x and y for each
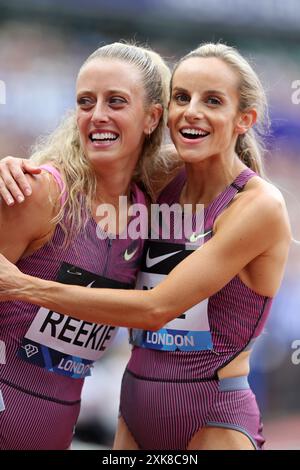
(42, 45)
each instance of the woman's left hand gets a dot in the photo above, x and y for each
(10, 280)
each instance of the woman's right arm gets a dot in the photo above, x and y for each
(14, 185)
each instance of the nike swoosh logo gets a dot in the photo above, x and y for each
(158, 259)
(194, 237)
(90, 285)
(128, 256)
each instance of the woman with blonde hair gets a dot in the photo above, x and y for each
(100, 152)
(206, 295)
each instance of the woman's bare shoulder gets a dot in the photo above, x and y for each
(261, 206)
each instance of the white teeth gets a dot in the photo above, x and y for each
(194, 132)
(104, 136)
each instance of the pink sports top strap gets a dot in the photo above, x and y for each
(57, 176)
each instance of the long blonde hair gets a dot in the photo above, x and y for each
(249, 146)
(63, 148)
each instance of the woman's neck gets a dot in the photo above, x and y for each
(207, 179)
(109, 211)
(111, 184)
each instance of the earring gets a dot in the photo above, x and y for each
(150, 132)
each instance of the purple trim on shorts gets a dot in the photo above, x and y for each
(212, 424)
(230, 384)
(2, 406)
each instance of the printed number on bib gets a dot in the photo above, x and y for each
(190, 331)
(64, 344)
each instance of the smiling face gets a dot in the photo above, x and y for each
(203, 112)
(112, 116)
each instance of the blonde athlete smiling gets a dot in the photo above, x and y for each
(195, 398)
(97, 154)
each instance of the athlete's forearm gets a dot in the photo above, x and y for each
(117, 307)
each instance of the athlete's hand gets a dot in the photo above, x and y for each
(13, 183)
(11, 280)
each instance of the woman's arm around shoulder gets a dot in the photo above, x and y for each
(254, 227)
(14, 185)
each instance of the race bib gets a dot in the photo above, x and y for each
(190, 331)
(62, 343)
